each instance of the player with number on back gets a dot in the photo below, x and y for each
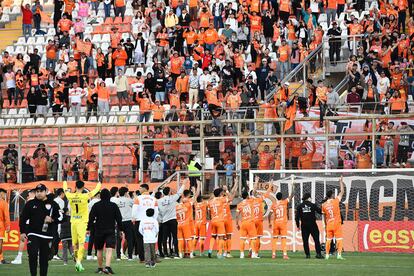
(79, 215)
(280, 211)
(247, 228)
(200, 208)
(332, 219)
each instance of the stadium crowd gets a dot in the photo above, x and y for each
(209, 55)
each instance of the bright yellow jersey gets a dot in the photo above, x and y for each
(78, 203)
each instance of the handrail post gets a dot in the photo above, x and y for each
(304, 79)
(19, 173)
(60, 157)
(100, 158)
(374, 154)
(141, 155)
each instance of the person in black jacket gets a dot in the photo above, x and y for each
(103, 217)
(32, 101)
(306, 219)
(334, 43)
(43, 216)
(27, 170)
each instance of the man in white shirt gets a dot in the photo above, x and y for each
(75, 99)
(122, 87)
(125, 204)
(205, 78)
(10, 78)
(61, 68)
(168, 216)
(383, 84)
(60, 195)
(141, 204)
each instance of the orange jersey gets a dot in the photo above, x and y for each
(4, 214)
(227, 211)
(331, 211)
(201, 212)
(216, 208)
(280, 209)
(245, 209)
(184, 212)
(257, 203)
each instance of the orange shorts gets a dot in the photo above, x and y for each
(247, 229)
(259, 227)
(200, 230)
(184, 232)
(334, 230)
(280, 230)
(217, 228)
(228, 226)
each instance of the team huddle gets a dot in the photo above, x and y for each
(178, 223)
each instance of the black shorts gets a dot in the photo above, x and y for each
(104, 239)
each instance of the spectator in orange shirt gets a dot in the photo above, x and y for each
(266, 159)
(120, 58)
(363, 158)
(92, 167)
(157, 111)
(41, 170)
(283, 54)
(65, 24)
(271, 115)
(295, 152)
(210, 38)
(305, 160)
(144, 103)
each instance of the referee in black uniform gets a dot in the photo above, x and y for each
(43, 215)
(306, 220)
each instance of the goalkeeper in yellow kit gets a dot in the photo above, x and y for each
(78, 202)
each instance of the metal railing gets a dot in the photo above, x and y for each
(302, 71)
(106, 141)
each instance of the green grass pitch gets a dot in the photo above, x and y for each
(373, 264)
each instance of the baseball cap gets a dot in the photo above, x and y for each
(40, 187)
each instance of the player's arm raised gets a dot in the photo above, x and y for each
(341, 188)
(95, 191)
(197, 192)
(234, 189)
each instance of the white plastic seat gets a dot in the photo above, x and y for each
(132, 119)
(82, 120)
(114, 109)
(129, 72)
(50, 121)
(51, 31)
(88, 29)
(103, 120)
(12, 111)
(10, 122)
(71, 121)
(10, 50)
(40, 40)
(113, 120)
(134, 109)
(60, 121)
(23, 112)
(5, 18)
(96, 38)
(2, 123)
(16, 10)
(31, 40)
(40, 121)
(105, 46)
(29, 122)
(106, 38)
(92, 120)
(21, 41)
(109, 82)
